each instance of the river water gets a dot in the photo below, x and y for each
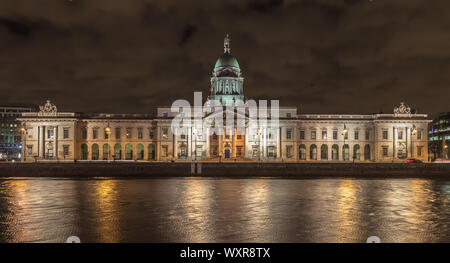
(224, 210)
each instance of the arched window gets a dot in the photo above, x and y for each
(345, 152)
(335, 152)
(84, 151)
(117, 151)
(128, 151)
(356, 152)
(106, 152)
(95, 152)
(302, 152)
(313, 152)
(151, 152)
(367, 152)
(324, 152)
(140, 152)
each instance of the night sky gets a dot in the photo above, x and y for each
(323, 56)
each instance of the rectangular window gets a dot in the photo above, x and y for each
(419, 134)
(239, 150)
(165, 150)
(335, 135)
(30, 133)
(288, 134)
(29, 149)
(289, 151)
(356, 135)
(165, 133)
(400, 135)
(65, 150)
(107, 132)
(239, 137)
(324, 135)
(94, 133)
(313, 135)
(367, 135)
(117, 133)
(128, 133)
(385, 134)
(84, 133)
(385, 151)
(302, 135)
(419, 151)
(183, 136)
(140, 133)
(151, 133)
(65, 133)
(50, 134)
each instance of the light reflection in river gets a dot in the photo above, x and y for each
(224, 210)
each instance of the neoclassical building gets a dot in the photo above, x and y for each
(50, 135)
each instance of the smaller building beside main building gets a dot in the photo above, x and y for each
(439, 137)
(55, 136)
(10, 131)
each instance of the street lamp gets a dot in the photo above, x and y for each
(24, 137)
(108, 132)
(344, 133)
(413, 132)
(258, 132)
(194, 133)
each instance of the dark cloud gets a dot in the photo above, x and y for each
(341, 56)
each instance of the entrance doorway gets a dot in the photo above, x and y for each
(227, 154)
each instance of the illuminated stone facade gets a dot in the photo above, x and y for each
(64, 136)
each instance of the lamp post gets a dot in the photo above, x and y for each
(24, 137)
(413, 132)
(258, 132)
(108, 132)
(344, 133)
(194, 133)
(444, 150)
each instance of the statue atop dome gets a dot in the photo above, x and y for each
(226, 44)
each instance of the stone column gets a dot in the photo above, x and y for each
(55, 143)
(221, 144)
(408, 140)
(246, 144)
(189, 141)
(175, 147)
(234, 143)
(41, 147)
(264, 143)
(279, 150)
(208, 147)
(394, 143)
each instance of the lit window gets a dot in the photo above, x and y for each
(128, 133)
(385, 151)
(324, 135)
(385, 134)
(94, 133)
(313, 135)
(165, 133)
(302, 135)
(140, 133)
(66, 133)
(289, 134)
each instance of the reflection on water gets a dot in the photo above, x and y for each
(224, 210)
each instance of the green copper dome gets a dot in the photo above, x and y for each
(226, 60)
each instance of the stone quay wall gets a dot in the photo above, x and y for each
(277, 170)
